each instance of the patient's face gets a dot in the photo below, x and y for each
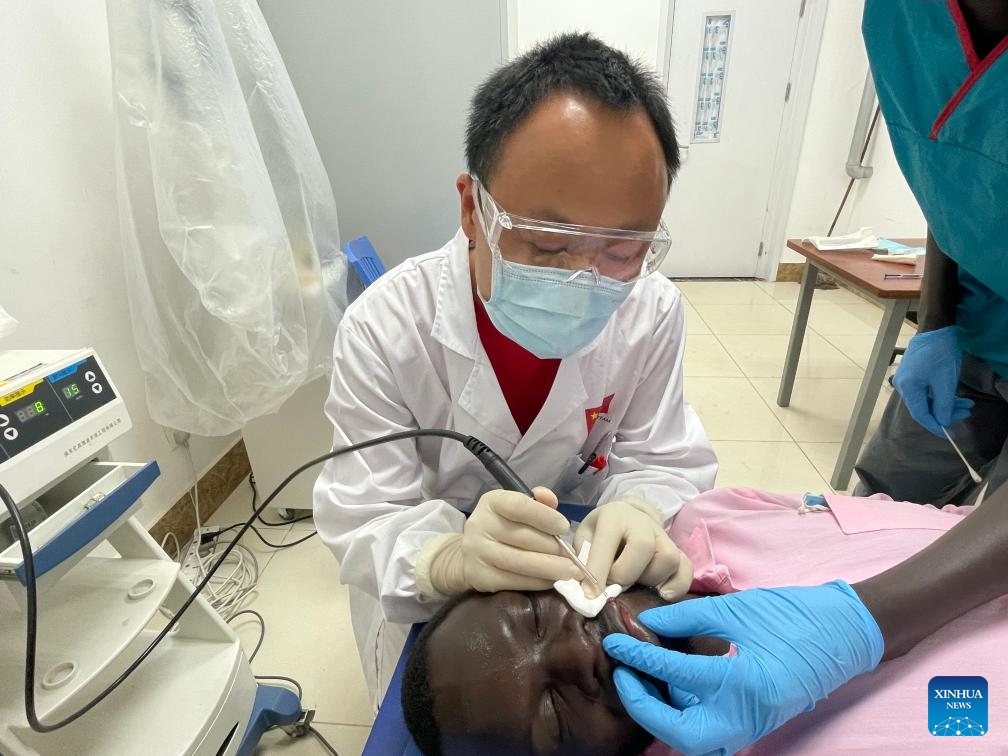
(524, 673)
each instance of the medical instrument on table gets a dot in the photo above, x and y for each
(908, 259)
(863, 238)
(38, 560)
(822, 637)
(969, 468)
(902, 276)
(896, 249)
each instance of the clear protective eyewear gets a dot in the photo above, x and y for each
(618, 254)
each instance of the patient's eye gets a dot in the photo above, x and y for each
(556, 721)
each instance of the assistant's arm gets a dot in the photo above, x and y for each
(966, 567)
(928, 375)
(939, 290)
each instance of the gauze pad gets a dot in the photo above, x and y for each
(572, 591)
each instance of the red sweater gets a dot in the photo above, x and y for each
(525, 380)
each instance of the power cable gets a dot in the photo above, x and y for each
(493, 463)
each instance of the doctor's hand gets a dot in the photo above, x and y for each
(794, 647)
(507, 544)
(629, 545)
(927, 378)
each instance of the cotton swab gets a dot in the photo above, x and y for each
(973, 473)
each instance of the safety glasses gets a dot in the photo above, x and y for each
(617, 254)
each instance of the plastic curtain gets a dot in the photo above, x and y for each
(228, 222)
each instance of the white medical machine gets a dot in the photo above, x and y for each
(104, 587)
(274, 451)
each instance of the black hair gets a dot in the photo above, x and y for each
(417, 699)
(573, 62)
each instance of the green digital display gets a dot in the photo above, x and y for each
(71, 391)
(29, 412)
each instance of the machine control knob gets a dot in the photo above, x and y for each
(10, 433)
(96, 388)
(4, 420)
(89, 376)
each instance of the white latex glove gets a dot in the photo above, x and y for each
(507, 544)
(630, 545)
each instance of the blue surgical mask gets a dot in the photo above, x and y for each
(552, 313)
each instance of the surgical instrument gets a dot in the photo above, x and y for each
(511, 482)
(569, 550)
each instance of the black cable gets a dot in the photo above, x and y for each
(263, 538)
(31, 609)
(291, 680)
(283, 545)
(322, 741)
(493, 463)
(255, 497)
(262, 630)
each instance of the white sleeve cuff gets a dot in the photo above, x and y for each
(425, 558)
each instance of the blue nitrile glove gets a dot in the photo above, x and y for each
(795, 646)
(927, 378)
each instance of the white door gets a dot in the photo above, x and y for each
(728, 72)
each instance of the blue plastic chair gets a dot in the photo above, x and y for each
(364, 260)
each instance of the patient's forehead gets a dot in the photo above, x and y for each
(489, 678)
(474, 622)
(473, 647)
(472, 641)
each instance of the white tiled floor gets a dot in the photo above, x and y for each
(734, 355)
(734, 359)
(308, 634)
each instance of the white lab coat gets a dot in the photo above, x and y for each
(407, 355)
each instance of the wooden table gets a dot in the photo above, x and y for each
(857, 270)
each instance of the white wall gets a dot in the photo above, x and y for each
(60, 258)
(883, 201)
(385, 86)
(632, 26)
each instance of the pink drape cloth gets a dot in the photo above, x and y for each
(741, 538)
